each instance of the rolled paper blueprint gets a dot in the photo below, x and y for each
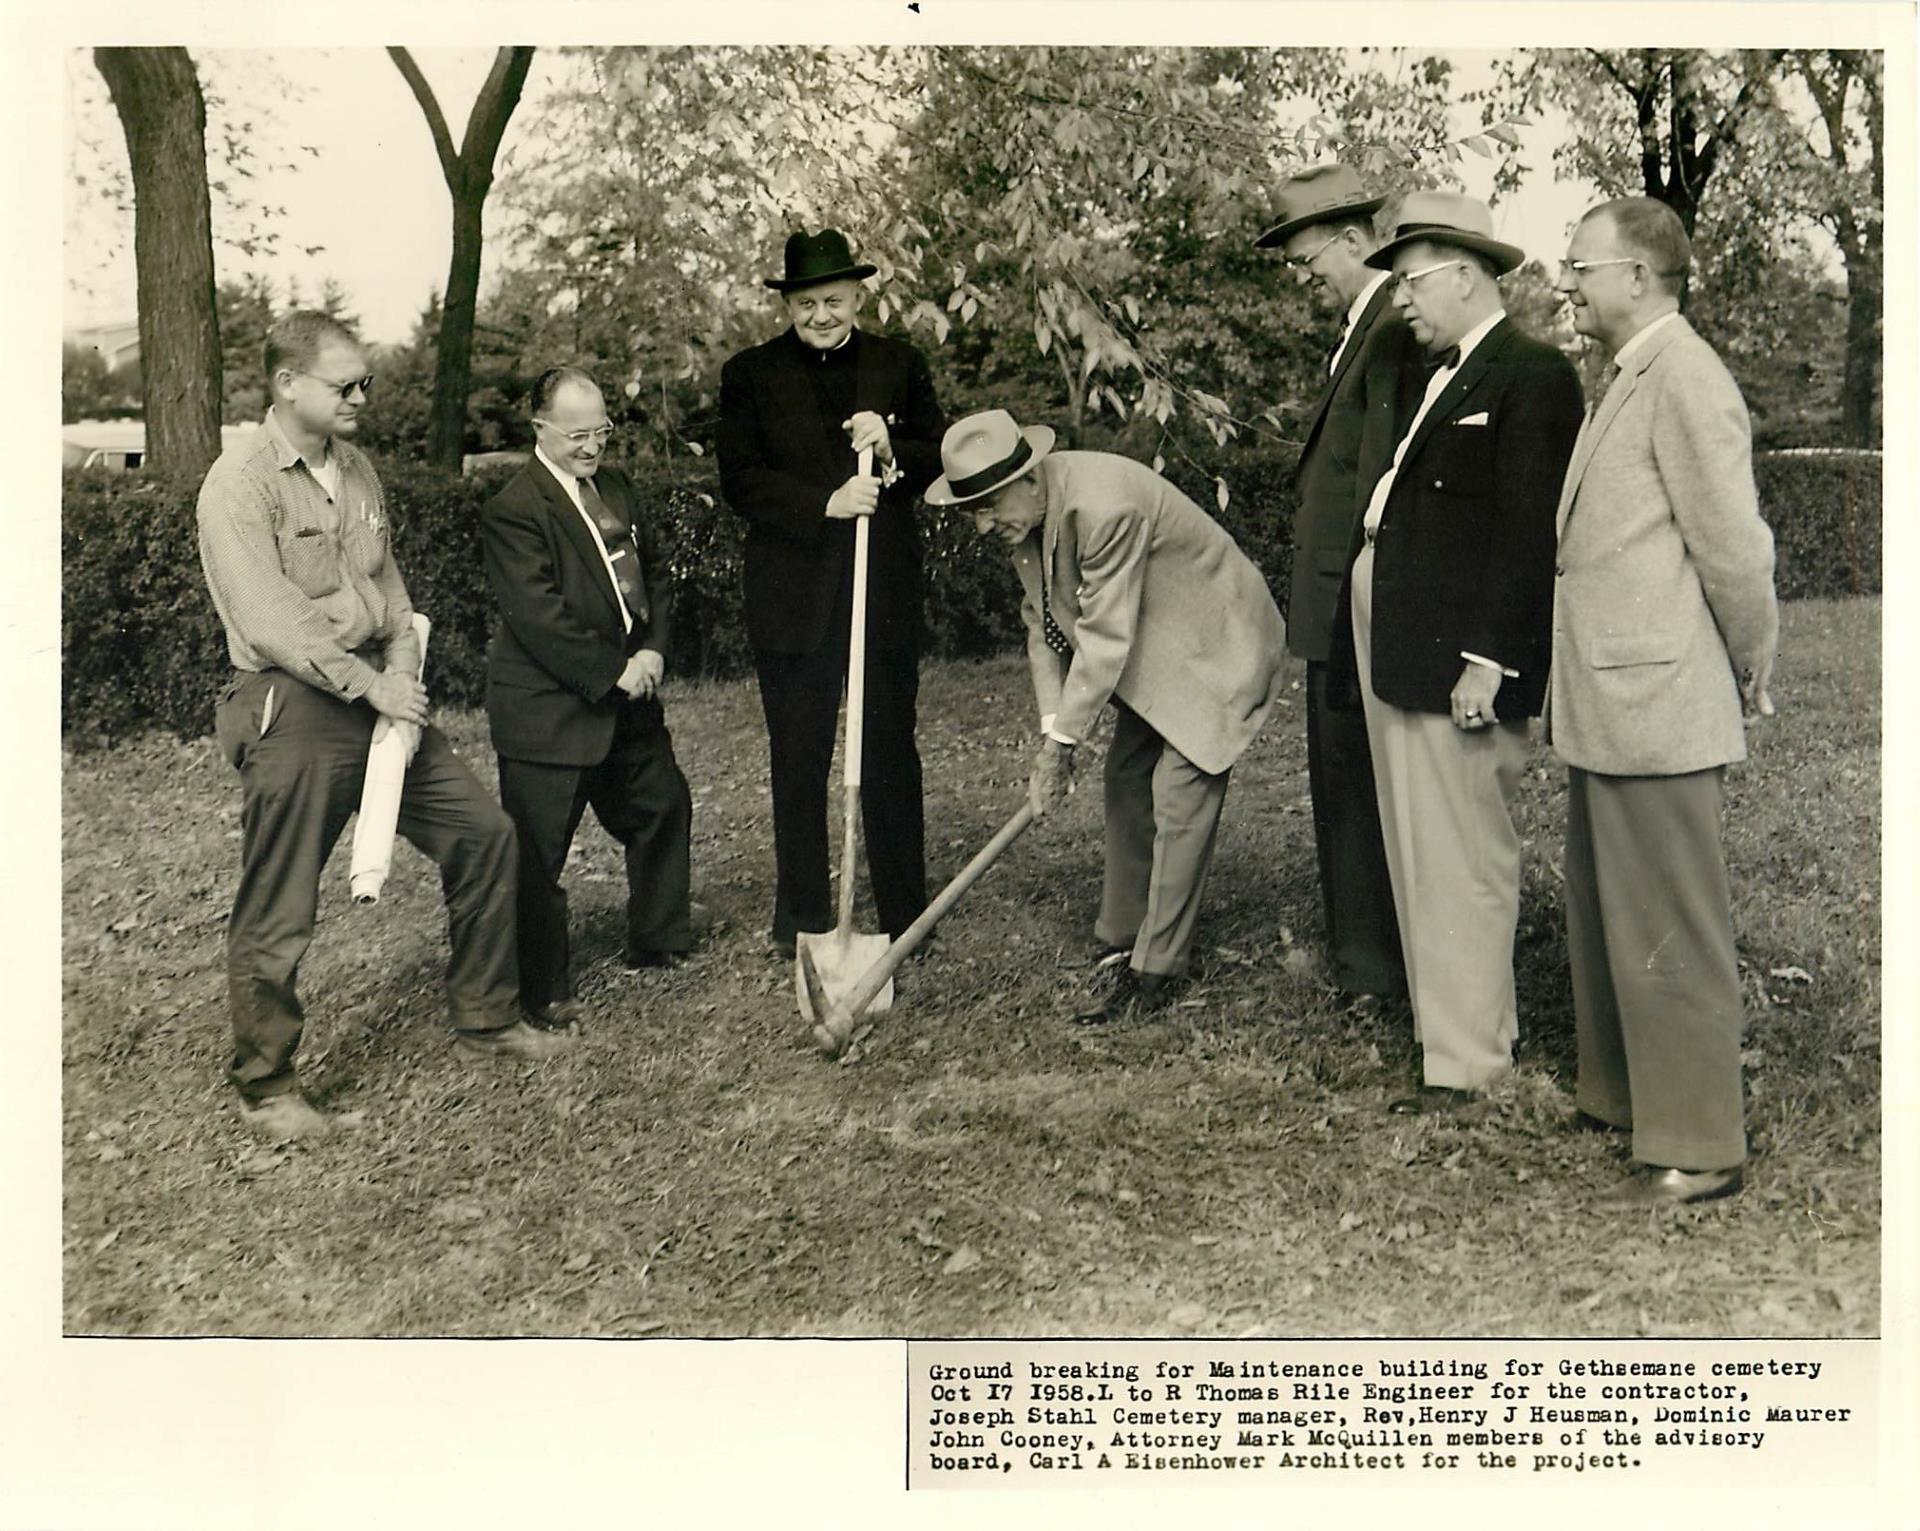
(380, 801)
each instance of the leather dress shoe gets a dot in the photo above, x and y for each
(1652, 1186)
(783, 947)
(286, 1118)
(518, 1043)
(556, 1015)
(1432, 1100)
(1133, 995)
(650, 957)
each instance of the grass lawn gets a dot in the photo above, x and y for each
(985, 1167)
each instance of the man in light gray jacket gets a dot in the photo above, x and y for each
(1664, 633)
(1131, 594)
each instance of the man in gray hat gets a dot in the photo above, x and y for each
(1131, 594)
(794, 415)
(1325, 235)
(1451, 607)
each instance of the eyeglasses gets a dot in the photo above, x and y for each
(1304, 263)
(1579, 268)
(578, 438)
(1406, 279)
(364, 384)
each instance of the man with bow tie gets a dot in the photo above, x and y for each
(1664, 631)
(573, 679)
(1325, 235)
(1451, 599)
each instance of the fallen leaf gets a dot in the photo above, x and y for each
(106, 1243)
(1189, 1315)
(1204, 1239)
(580, 1261)
(1798, 975)
(1351, 1220)
(962, 1259)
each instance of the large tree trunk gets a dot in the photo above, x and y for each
(156, 91)
(469, 177)
(1859, 382)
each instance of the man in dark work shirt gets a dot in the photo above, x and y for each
(794, 415)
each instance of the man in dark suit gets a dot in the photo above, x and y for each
(1452, 600)
(573, 679)
(1325, 236)
(794, 415)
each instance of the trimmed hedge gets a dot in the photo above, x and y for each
(141, 644)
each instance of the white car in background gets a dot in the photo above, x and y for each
(117, 445)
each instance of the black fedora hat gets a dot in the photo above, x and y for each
(1318, 195)
(816, 258)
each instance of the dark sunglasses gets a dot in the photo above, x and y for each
(364, 384)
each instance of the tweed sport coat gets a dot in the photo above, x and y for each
(1463, 562)
(1378, 362)
(781, 458)
(1666, 590)
(559, 644)
(1162, 608)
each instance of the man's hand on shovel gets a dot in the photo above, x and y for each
(1052, 777)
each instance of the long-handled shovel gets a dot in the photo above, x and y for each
(838, 1018)
(832, 960)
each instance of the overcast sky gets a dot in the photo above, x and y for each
(374, 200)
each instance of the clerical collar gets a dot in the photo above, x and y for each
(834, 353)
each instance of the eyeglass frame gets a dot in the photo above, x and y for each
(364, 384)
(1579, 268)
(1301, 264)
(1408, 278)
(600, 433)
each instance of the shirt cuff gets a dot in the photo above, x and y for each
(1491, 664)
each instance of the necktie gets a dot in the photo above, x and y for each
(1601, 386)
(1333, 352)
(1049, 629)
(622, 553)
(1447, 358)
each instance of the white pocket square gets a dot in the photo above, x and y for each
(1479, 418)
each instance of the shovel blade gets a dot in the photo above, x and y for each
(828, 964)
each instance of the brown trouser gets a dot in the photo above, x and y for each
(1656, 989)
(300, 782)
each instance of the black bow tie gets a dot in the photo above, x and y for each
(1447, 358)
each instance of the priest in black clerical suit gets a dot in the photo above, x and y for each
(794, 415)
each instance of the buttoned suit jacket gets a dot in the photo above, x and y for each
(1366, 381)
(781, 459)
(1666, 587)
(1463, 560)
(1162, 608)
(559, 645)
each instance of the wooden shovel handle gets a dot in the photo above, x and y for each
(856, 707)
(839, 1026)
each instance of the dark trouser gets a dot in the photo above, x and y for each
(1162, 817)
(1363, 936)
(801, 696)
(1656, 986)
(300, 783)
(641, 799)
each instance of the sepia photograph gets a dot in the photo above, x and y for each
(945, 677)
